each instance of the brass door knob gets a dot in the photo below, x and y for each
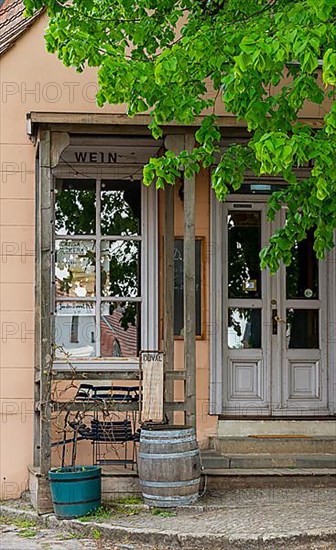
(279, 320)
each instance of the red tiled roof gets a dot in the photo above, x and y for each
(13, 23)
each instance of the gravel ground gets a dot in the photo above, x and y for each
(46, 539)
(14, 538)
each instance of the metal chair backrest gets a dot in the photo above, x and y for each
(112, 432)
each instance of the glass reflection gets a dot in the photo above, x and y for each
(120, 268)
(119, 329)
(120, 208)
(244, 328)
(75, 207)
(302, 274)
(244, 244)
(75, 268)
(75, 330)
(302, 329)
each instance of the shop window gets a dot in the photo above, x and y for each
(98, 269)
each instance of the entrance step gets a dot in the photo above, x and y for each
(232, 479)
(119, 483)
(213, 460)
(274, 444)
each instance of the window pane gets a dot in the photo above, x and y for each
(120, 207)
(302, 274)
(302, 328)
(75, 268)
(120, 268)
(120, 329)
(244, 244)
(244, 328)
(75, 330)
(75, 207)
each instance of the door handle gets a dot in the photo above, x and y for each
(275, 320)
(279, 320)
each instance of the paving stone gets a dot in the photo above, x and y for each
(245, 519)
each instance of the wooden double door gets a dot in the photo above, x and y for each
(275, 327)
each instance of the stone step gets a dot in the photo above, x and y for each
(271, 472)
(288, 478)
(118, 484)
(214, 460)
(274, 445)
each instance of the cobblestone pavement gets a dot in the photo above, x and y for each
(47, 539)
(245, 516)
(248, 513)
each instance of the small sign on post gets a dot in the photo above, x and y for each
(151, 365)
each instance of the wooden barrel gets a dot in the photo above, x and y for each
(169, 466)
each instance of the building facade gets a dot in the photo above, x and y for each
(82, 270)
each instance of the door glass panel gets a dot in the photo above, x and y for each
(302, 275)
(244, 244)
(244, 328)
(302, 328)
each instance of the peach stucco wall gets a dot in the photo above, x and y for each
(31, 80)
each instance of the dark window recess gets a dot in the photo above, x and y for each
(302, 331)
(302, 277)
(179, 287)
(244, 244)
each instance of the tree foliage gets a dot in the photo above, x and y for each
(265, 59)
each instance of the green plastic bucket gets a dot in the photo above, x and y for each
(75, 491)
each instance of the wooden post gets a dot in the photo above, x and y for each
(37, 342)
(189, 293)
(169, 294)
(45, 329)
(173, 143)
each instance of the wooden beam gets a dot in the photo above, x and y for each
(46, 299)
(109, 375)
(175, 143)
(95, 375)
(168, 292)
(59, 142)
(94, 405)
(43, 117)
(37, 332)
(189, 293)
(105, 405)
(123, 121)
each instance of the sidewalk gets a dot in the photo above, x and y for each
(249, 519)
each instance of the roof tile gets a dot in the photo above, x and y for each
(13, 23)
